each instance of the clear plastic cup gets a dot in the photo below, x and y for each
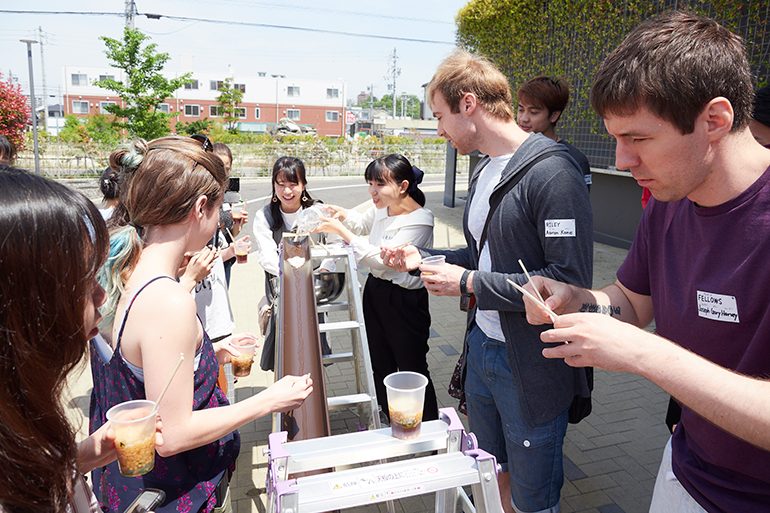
(237, 213)
(134, 425)
(242, 363)
(433, 260)
(241, 251)
(406, 397)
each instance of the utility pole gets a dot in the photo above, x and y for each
(30, 42)
(130, 11)
(393, 72)
(45, 89)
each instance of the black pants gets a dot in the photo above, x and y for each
(398, 327)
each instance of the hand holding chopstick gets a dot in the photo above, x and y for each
(535, 300)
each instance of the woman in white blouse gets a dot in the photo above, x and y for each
(290, 197)
(395, 304)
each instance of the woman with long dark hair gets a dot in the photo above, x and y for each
(395, 304)
(54, 241)
(172, 193)
(289, 199)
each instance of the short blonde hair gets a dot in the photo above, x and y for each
(463, 72)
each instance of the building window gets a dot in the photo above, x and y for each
(192, 111)
(332, 116)
(164, 107)
(102, 78)
(261, 73)
(102, 106)
(191, 85)
(79, 107)
(332, 93)
(293, 114)
(240, 87)
(292, 91)
(240, 112)
(214, 85)
(256, 113)
(79, 79)
(215, 111)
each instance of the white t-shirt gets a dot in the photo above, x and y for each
(212, 302)
(487, 320)
(384, 230)
(266, 246)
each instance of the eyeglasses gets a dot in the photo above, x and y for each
(206, 145)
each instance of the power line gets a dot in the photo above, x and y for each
(241, 23)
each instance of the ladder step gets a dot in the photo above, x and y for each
(326, 327)
(342, 401)
(337, 357)
(368, 485)
(333, 307)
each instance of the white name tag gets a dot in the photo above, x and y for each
(560, 228)
(717, 307)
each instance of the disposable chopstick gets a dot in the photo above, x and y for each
(405, 244)
(529, 279)
(535, 300)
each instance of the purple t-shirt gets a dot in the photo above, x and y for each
(708, 273)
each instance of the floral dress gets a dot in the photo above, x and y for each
(189, 478)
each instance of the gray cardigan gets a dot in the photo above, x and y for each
(553, 189)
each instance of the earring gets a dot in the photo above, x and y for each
(304, 196)
(275, 199)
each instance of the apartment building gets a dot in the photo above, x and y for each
(266, 99)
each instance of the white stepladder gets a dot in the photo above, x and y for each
(459, 462)
(365, 394)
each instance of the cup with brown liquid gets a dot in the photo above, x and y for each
(406, 396)
(242, 363)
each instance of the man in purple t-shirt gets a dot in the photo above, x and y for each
(698, 263)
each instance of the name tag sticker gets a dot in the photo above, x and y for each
(560, 228)
(717, 307)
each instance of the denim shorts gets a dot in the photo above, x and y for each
(532, 456)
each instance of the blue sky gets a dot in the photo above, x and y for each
(360, 61)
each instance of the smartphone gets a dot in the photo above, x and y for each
(147, 501)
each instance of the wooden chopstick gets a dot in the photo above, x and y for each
(405, 244)
(535, 300)
(529, 279)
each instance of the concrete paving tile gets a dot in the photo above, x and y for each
(585, 501)
(594, 483)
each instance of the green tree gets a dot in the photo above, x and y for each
(14, 113)
(229, 99)
(145, 88)
(199, 126)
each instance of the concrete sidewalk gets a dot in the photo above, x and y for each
(611, 458)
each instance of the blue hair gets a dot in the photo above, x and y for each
(125, 248)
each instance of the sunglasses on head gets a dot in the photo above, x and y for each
(206, 144)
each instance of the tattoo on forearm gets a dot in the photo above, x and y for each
(612, 311)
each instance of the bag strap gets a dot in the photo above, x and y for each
(497, 195)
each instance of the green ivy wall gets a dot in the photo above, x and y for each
(526, 38)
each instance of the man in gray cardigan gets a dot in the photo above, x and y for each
(517, 400)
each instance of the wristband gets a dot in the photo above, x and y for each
(464, 283)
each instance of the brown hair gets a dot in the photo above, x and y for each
(223, 149)
(673, 65)
(551, 94)
(56, 241)
(163, 179)
(463, 72)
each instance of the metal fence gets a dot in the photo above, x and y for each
(321, 158)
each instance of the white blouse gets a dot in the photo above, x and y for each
(384, 230)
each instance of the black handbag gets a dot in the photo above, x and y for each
(581, 406)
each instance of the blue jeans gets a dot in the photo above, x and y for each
(532, 456)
